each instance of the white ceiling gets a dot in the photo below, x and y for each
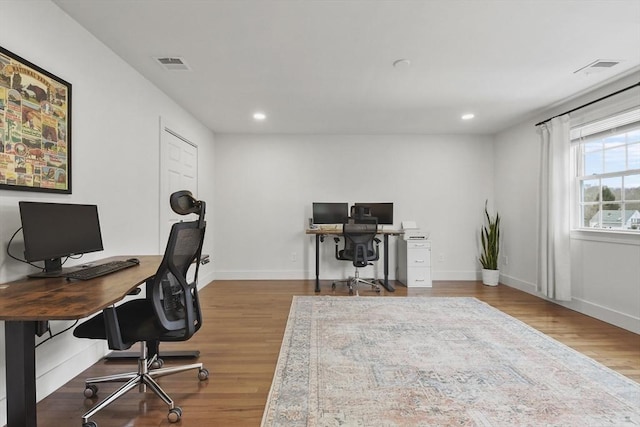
(325, 66)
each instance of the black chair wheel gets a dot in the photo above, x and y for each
(174, 414)
(89, 424)
(203, 374)
(157, 364)
(333, 286)
(90, 391)
(378, 290)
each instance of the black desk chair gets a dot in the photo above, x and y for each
(169, 312)
(359, 239)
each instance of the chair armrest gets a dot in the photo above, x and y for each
(112, 329)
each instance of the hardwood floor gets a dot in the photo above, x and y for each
(240, 340)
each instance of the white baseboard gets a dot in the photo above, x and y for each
(606, 314)
(617, 318)
(265, 275)
(205, 279)
(308, 275)
(48, 382)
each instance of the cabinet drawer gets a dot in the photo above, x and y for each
(419, 277)
(417, 244)
(419, 258)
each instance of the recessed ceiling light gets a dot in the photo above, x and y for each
(259, 116)
(468, 116)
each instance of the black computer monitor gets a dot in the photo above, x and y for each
(330, 213)
(382, 211)
(53, 231)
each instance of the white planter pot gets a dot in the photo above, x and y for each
(490, 277)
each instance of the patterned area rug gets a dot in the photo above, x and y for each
(375, 361)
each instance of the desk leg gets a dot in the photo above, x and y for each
(20, 353)
(317, 263)
(388, 286)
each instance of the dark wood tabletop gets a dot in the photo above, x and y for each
(60, 299)
(337, 229)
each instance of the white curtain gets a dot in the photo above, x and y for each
(554, 266)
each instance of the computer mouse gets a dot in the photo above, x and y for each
(136, 260)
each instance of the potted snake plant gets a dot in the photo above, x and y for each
(490, 238)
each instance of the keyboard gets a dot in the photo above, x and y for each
(100, 270)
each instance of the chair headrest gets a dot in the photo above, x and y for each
(183, 203)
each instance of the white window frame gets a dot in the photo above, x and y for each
(592, 132)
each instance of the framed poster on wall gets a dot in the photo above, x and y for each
(35, 127)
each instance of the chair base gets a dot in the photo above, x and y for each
(164, 355)
(353, 282)
(143, 378)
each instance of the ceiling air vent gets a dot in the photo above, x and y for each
(597, 66)
(172, 63)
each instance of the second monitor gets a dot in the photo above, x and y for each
(382, 211)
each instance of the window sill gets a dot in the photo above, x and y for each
(607, 236)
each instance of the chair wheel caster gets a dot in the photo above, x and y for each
(89, 424)
(174, 415)
(203, 374)
(333, 286)
(89, 392)
(157, 364)
(378, 290)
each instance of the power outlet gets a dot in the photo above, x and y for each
(505, 260)
(441, 257)
(293, 257)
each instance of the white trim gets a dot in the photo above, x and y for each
(606, 314)
(310, 275)
(607, 236)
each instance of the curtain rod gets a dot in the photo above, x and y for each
(589, 103)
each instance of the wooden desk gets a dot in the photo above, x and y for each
(320, 234)
(24, 302)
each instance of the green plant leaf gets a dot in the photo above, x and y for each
(490, 239)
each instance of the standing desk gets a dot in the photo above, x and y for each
(27, 301)
(321, 233)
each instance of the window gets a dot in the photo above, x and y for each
(607, 154)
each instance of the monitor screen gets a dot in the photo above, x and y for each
(330, 213)
(55, 230)
(382, 211)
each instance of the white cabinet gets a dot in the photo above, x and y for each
(414, 263)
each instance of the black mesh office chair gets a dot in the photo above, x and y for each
(169, 312)
(359, 240)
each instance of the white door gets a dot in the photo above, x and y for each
(178, 171)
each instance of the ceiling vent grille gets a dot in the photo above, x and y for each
(597, 66)
(172, 63)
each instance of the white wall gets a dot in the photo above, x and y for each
(268, 183)
(605, 268)
(115, 143)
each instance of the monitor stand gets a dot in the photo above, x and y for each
(52, 268)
